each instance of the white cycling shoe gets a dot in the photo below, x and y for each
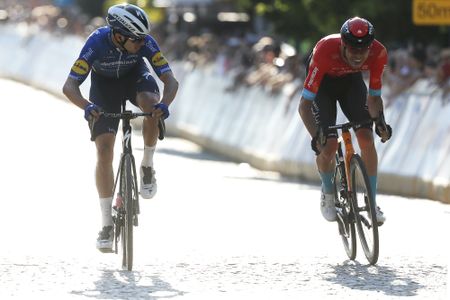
(148, 182)
(327, 207)
(381, 218)
(105, 239)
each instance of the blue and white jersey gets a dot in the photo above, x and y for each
(100, 55)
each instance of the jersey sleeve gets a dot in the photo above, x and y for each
(376, 73)
(316, 71)
(82, 66)
(155, 57)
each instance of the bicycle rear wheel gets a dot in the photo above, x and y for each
(345, 217)
(364, 208)
(126, 235)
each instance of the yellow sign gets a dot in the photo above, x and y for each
(431, 12)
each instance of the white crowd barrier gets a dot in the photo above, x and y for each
(253, 126)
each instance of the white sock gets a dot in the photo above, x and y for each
(147, 159)
(105, 207)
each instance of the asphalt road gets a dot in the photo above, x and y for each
(216, 229)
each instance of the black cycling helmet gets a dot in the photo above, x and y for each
(357, 33)
(128, 20)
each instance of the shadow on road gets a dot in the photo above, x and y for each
(114, 284)
(373, 278)
(201, 155)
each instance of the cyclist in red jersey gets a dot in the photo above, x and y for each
(334, 73)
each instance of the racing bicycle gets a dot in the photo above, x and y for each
(126, 207)
(355, 204)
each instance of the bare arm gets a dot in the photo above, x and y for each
(72, 91)
(305, 111)
(170, 87)
(375, 104)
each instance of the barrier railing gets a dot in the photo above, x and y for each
(251, 125)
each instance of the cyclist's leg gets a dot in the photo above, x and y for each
(146, 101)
(144, 92)
(324, 111)
(370, 158)
(104, 174)
(105, 93)
(354, 106)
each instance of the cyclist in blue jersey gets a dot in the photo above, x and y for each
(114, 56)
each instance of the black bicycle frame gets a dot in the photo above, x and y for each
(127, 132)
(127, 150)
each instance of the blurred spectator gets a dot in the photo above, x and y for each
(44, 15)
(257, 64)
(418, 57)
(202, 49)
(248, 59)
(241, 61)
(443, 74)
(290, 65)
(402, 72)
(265, 68)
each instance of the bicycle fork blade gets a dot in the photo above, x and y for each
(343, 226)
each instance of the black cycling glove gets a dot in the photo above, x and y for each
(381, 126)
(319, 138)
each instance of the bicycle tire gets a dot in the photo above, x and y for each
(346, 221)
(135, 187)
(127, 230)
(364, 209)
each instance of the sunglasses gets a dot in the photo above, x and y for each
(136, 40)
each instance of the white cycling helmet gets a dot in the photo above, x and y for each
(128, 20)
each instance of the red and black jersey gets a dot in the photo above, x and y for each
(327, 60)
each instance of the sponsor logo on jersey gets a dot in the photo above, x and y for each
(80, 67)
(159, 60)
(88, 54)
(313, 75)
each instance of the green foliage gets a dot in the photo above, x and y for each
(312, 19)
(306, 21)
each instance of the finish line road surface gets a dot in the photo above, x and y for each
(215, 230)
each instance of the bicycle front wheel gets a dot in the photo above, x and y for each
(364, 209)
(127, 230)
(345, 217)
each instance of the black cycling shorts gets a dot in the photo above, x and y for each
(111, 93)
(351, 93)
